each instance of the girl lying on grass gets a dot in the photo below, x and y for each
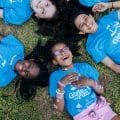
(75, 86)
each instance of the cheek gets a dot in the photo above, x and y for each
(22, 73)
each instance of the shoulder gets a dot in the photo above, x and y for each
(9, 76)
(54, 74)
(82, 65)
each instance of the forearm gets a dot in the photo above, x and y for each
(59, 100)
(115, 68)
(114, 4)
(59, 104)
(98, 88)
(1, 13)
(111, 64)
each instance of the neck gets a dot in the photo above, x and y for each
(67, 67)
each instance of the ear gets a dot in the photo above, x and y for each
(81, 33)
(54, 62)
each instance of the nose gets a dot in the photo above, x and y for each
(41, 10)
(62, 52)
(24, 68)
(88, 25)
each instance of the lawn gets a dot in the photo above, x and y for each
(37, 105)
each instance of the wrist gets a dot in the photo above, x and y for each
(111, 5)
(60, 93)
(61, 85)
(98, 86)
(90, 82)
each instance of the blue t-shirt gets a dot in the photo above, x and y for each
(90, 3)
(76, 99)
(106, 41)
(16, 11)
(11, 50)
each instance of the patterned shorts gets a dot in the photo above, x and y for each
(99, 110)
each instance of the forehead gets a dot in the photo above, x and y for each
(58, 46)
(80, 18)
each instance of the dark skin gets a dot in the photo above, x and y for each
(26, 68)
(1, 37)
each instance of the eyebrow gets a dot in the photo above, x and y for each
(82, 22)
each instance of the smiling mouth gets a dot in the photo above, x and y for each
(65, 58)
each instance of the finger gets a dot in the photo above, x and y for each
(71, 75)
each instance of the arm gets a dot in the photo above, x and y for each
(1, 13)
(84, 81)
(59, 100)
(100, 7)
(109, 63)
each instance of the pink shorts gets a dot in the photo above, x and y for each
(99, 110)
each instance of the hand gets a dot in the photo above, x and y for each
(70, 78)
(100, 7)
(83, 81)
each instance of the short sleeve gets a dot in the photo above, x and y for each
(53, 85)
(12, 16)
(12, 42)
(96, 54)
(89, 71)
(16, 12)
(95, 45)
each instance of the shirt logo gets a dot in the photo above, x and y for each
(2, 62)
(12, 59)
(114, 29)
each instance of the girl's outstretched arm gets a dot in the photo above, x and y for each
(100, 7)
(1, 13)
(111, 64)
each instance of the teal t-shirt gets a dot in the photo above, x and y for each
(106, 41)
(90, 3)
(76, 99)
(11, 50)
(16, 11)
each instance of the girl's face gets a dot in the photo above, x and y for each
(86, 24)
(43, 8)
(62, 55)
(27, 68)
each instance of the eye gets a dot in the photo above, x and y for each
(65, 49)
(86, 19)
(47, 4)
(56, 53)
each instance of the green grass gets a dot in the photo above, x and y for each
(13, 107)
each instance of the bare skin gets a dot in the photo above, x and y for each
(111, 64)
(100, 7)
